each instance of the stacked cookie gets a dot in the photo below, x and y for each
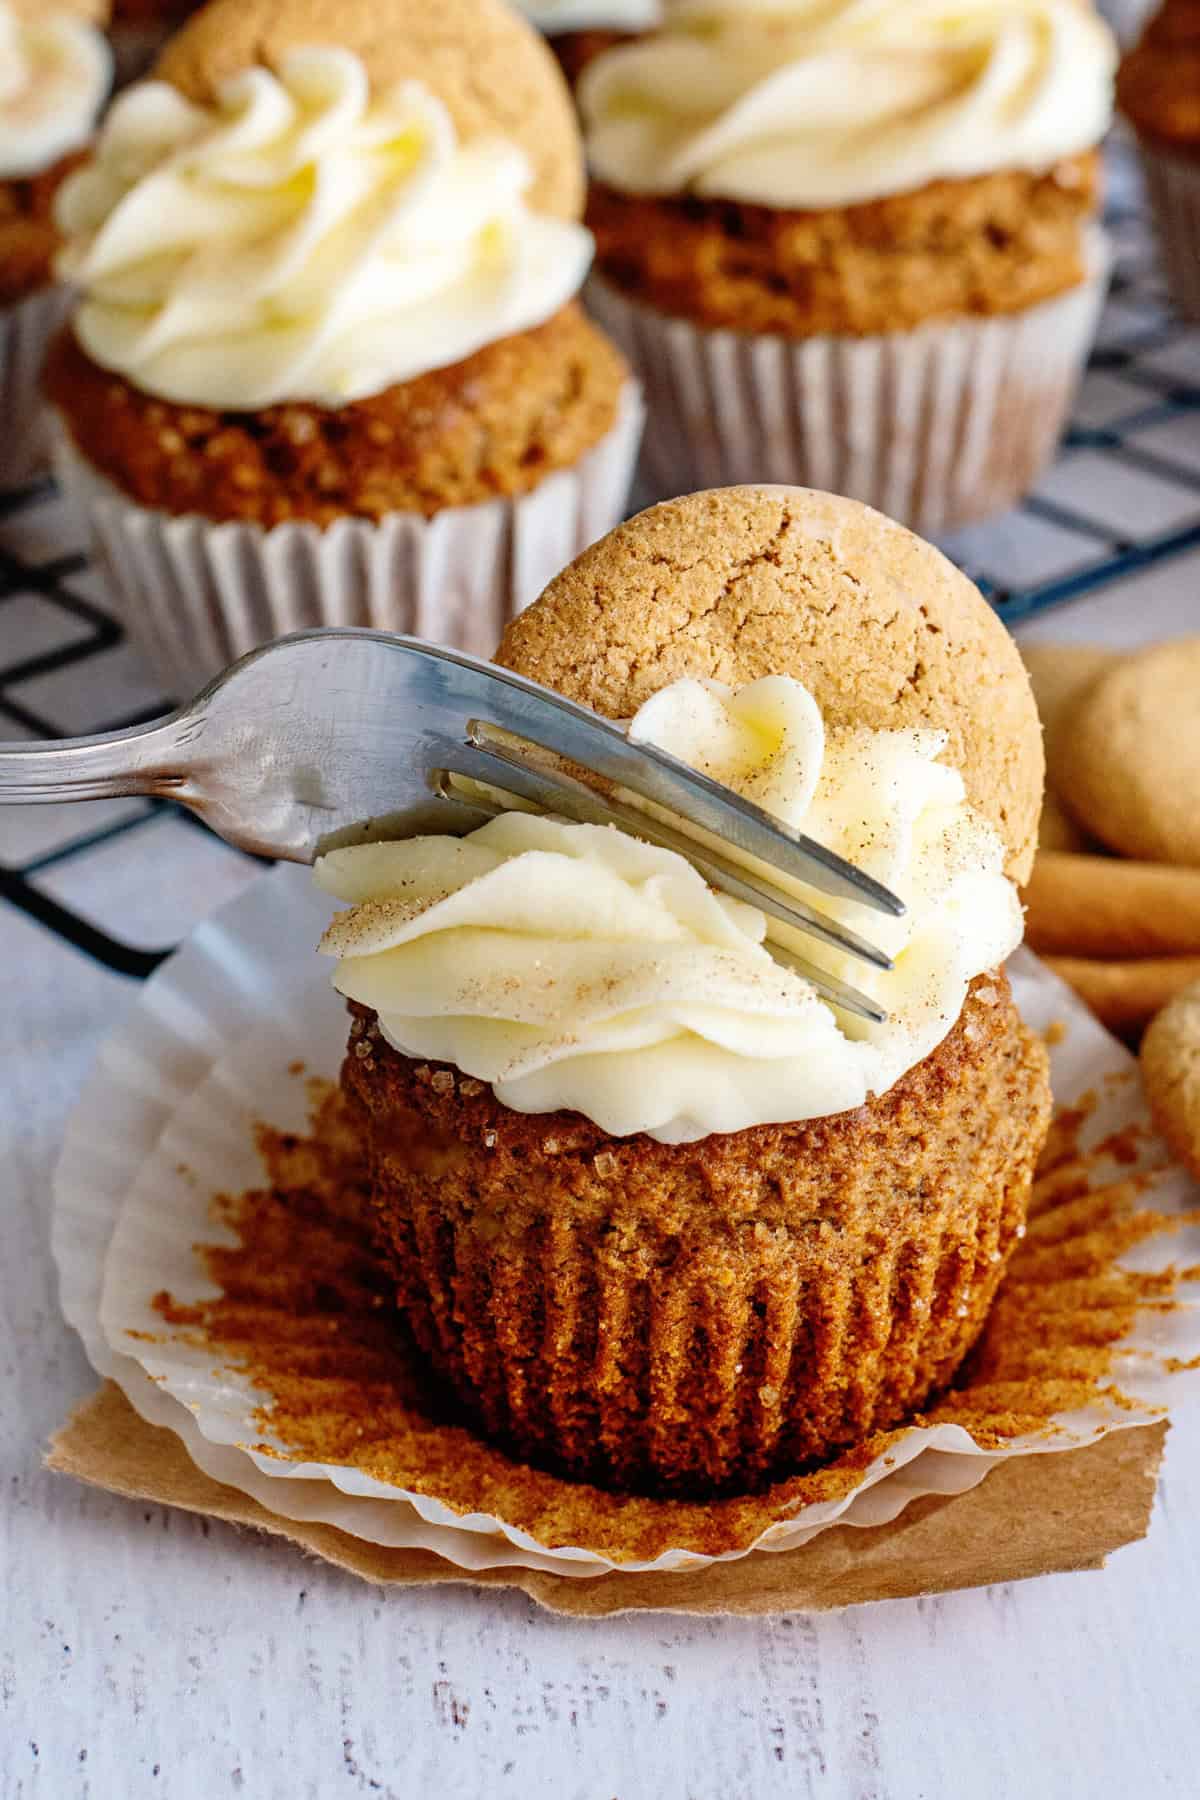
(1114, 900)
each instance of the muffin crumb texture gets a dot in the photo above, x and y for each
(992, 244)
(701, 1318)
(488, 428)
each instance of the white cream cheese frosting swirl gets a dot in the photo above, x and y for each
(575, 967)
(55, 71)
(303, 239)
(822, 103)
(556, 16)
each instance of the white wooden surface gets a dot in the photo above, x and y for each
(146, 1653)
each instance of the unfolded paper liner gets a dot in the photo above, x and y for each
(1173, 184)
(938, 427)
(25, 330)
(1035, 1515)
(166, 1122)
(195, 595)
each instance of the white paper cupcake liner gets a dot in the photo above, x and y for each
(166, 1121)
(195, 595)
(1173, 184)
(937, 427)
(25, 331)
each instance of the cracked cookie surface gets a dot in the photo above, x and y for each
(737, 583)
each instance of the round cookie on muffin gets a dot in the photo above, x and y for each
(660, 1216)
(1158, 90)
(329, 364)
(854, 245)
(55, 72)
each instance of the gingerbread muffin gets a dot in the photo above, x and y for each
(55, 70)
(1158, 90)
(344, 378)
(891, 298)
(659, 1215)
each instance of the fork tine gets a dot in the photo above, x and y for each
(553, 792)
(496, 698)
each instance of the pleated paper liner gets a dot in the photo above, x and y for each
(195, 595)
(1035, 1515)
(25, 330)
(938, 427)
(169, 1121)
(1173, 184)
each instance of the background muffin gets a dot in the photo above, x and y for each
(655, 1215)
(1159, 92)
(55, 70)
(360, 390)
(855, 250)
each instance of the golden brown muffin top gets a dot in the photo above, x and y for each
(1158, 87)
(737, 583)
(492, 426)
(488, 67)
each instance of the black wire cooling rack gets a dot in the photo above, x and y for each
(1123, 496)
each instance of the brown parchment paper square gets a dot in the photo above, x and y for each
(1033, 1515)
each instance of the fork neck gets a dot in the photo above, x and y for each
(145, 760)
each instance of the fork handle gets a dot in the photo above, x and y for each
(144, 760)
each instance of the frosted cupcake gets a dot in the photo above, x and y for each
(659, 1215)
(1159, 93)
(55, 70)
(854, 243)
(578, 30)
(329, 366)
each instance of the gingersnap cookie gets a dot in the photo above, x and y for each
(487, 66)
(1170, 1059)
(1060, 674)
(737, 583)
(1130, 762)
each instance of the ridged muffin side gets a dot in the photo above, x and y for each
(697, 1319)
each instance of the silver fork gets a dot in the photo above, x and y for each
(344, 736)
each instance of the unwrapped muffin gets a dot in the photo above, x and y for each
(658, 1214)
(329, 366)
(55, 70)
(854, 246)
(1159, 93)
